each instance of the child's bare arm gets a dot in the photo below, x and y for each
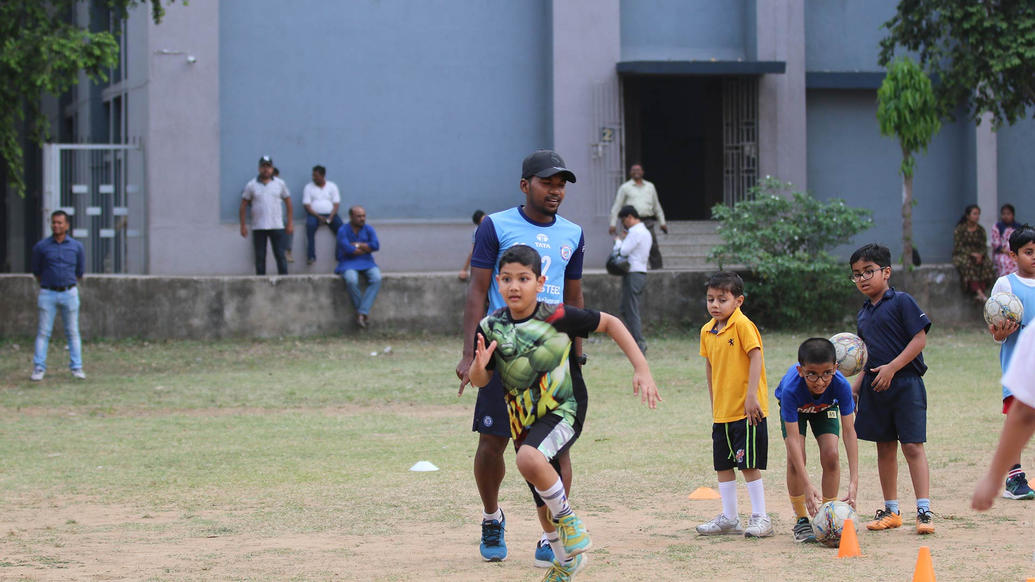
(851, 442)
(886, 373)
(708, 381)
(479, 375)
(1017, 431)
(643, 382)
(752, 408)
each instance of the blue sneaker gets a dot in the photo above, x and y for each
(493, 548)
(1017, 486)
(543, 554)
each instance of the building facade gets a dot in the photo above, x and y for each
(422, 112)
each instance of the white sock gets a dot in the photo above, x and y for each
(757, 495)
(555, 499)
(556, 545)
(728, 492)
(498, 516)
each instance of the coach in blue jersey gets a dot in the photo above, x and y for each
(561, 244)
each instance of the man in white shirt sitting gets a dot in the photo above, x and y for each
(635, 245)
(321, 200)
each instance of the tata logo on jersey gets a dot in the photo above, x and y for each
(542, 241)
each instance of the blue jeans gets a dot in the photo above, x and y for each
(276, 238)
(365, 300)
(67, 302)
(311, 225)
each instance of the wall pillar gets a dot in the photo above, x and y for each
(986, 161)
(781, 98)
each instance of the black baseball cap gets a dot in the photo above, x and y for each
(265, 160)
(545, 163)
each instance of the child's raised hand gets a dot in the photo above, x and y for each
(643, 384)
(483, 354)
(1003, 329)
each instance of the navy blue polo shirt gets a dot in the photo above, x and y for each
(889, 326)
(58, 264)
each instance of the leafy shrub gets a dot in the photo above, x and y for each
(784, 242)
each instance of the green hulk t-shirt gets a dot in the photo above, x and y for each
(532, 359)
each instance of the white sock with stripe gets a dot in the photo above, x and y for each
(555, 500)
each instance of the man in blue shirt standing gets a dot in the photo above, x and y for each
(357, 240)
(57, 263)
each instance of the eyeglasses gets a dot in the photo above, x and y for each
(865, 275)
(812, 376)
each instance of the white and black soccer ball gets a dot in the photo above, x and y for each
(851, 353)
(1002, 307)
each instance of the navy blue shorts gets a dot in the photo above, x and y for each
(490, 409)
(896, 414)
(738, 445)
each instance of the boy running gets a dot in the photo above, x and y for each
(528, 343)
(1022, 284)
(892, 396)
(735, 370)
(813, 392)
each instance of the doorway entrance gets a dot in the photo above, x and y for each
(696, 137)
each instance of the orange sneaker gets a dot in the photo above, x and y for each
(885, 519)
(924, 522)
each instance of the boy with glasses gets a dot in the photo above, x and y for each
(891, 392)
(814, 392)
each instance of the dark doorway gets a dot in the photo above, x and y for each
(674, 128)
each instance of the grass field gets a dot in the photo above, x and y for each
(288, 460)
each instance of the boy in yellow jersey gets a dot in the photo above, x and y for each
(732, 348)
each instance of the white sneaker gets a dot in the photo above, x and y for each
(79, 374)
(720, 525)
(37, 374)
(759, 526)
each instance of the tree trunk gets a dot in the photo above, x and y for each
(907, 221)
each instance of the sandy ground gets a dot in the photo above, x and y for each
(79, 539)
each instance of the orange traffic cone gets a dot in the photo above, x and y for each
(849, 546)
(924, 571)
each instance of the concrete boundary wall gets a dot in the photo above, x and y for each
(151, 307)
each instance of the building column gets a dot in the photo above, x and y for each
(587, 44)
(987, 164)
(781, 98)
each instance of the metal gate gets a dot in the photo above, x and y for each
(607, 168)
(99, 186)
(740, 137)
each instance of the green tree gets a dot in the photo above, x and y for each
(981, 52)
(907, 110)
(42, 51)
(784, 239)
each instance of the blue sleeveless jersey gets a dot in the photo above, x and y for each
(560, 244)
(1026, 294)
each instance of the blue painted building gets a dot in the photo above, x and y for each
(422, 112)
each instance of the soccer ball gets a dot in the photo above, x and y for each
(851, 353)
(1003, 307)
(829, 522)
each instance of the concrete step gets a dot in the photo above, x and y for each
(692, 227)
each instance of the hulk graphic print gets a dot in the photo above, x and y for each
(532, 359)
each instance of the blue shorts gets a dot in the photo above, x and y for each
(896, 414)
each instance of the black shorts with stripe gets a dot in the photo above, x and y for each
(738, 445)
